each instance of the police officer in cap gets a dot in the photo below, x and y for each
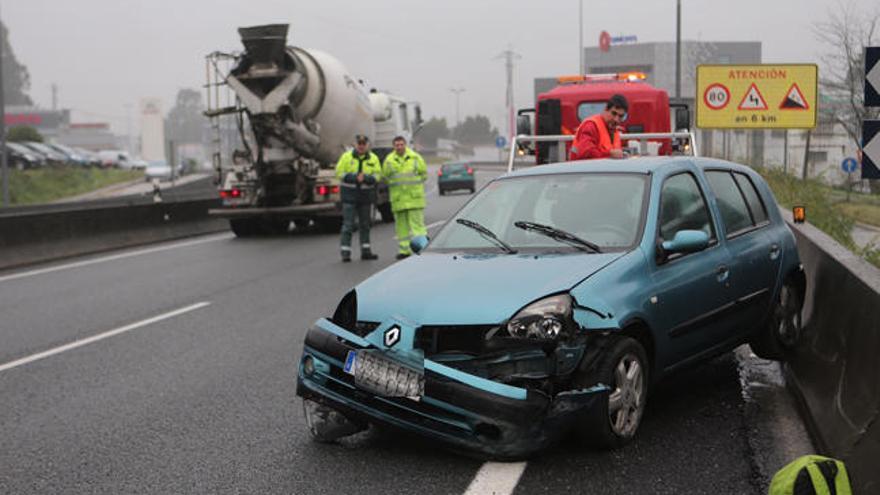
(358, 171)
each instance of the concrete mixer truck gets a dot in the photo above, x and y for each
(281, 116)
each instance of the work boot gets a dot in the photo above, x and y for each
(346, 256)
(401, 256)
(366, 254)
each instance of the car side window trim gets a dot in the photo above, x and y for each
(713, 239)
(755, 225)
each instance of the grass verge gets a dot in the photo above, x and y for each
(51, 184)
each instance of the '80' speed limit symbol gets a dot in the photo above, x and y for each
(716, 96)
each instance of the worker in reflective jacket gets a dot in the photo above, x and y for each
(599, 136)
(405, 172)
(358, 172)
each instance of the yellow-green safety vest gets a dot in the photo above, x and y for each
(406, 175)
(347, 169)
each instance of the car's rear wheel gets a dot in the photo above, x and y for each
(784, 327)
(613, 422)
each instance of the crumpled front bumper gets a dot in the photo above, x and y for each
(458, 409)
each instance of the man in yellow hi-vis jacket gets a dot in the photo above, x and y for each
(358, 172)
(405, 172)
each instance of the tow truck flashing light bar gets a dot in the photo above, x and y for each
(621, 76)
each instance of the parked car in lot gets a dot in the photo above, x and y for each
(550, 302)
(53, 157)
(157, 169)
(94, 160)
(73, 157)
(21, 157)
(455, 176)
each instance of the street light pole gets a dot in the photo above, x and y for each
(678, 49)
(581, 37)
(4, 163)
(457, 92)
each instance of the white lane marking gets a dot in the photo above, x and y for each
(77, 264)
(101, 336)
(497, 478)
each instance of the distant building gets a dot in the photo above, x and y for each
(152, 130)
(49, 123)
(657, 62)
(93, 136)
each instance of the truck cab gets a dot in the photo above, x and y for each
(561, 110)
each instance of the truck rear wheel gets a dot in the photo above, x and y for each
(385, 212)
(245, 227)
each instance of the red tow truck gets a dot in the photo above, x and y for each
(559, 112)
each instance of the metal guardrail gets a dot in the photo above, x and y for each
(561, 139)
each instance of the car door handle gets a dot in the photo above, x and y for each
(722, 272)
(774, 251)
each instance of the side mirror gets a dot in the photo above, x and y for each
(523, 125)
(682, 118)
(687, 241)
(418, 243)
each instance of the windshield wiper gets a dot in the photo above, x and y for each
(488, 234)
(558, 235)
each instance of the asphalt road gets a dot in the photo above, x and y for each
(201, 400)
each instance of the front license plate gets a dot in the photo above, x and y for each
(382, 376)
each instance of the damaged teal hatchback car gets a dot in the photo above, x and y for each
(550, 302)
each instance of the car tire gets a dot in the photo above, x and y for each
(614, 421)
(326, 425)
(441, 191)
(784, 327)
(473, 190)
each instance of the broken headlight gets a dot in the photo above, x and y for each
(544, 319)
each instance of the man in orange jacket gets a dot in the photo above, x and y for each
(599, 136)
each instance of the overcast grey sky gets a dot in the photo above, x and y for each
(104, 54)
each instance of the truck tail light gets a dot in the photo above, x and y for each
(324, 190)
(470, 171)
(230, 193)
(439, 173)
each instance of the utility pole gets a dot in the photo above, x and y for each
(678, 50)
(509, 56)
(457, 92)
(582, 69)
(4, 163)
(54, 97)
(128, 128)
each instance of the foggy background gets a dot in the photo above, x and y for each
(106, 54)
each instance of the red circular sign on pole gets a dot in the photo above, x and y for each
(716, 96)
(604, 41)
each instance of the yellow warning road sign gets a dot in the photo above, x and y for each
(766, 96)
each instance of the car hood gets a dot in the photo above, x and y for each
(459, 289)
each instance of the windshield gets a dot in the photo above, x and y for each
(604, 209)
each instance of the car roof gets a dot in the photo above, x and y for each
(637, 165)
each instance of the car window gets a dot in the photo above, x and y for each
(682, 207)
(731, 204)
(759, 211)
(603, 208)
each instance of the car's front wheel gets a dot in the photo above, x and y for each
(784, 327)
(613, 422)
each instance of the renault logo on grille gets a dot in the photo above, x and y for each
(392, 336)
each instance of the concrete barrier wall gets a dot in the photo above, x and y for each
(836, 368)
(30, 237)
